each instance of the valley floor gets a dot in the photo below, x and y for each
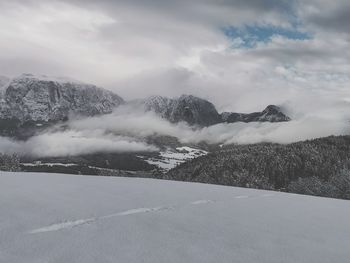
(71, 218)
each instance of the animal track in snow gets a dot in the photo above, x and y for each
(200, 202)
(75, 223)
(241, 196)
(63, 225)
(80, 222)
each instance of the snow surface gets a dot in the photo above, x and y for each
(66, 218)
(170, 159)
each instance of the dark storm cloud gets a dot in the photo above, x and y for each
(325, 16)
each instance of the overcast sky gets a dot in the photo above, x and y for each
(240, 54)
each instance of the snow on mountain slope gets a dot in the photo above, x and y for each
(30, 98)
(64, 218)
(158, 104)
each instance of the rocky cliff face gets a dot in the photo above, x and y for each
(187, 108)
(29, 98)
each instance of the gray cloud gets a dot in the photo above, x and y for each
(104, 41)
(322, 16)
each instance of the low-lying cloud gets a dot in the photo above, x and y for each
(128, 122)
(71, 143)
(128, 128)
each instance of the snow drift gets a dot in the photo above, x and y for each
(62, 218)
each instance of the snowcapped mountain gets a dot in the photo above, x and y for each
(30, 98)
(158, 104)
(42, 99)
(271, 113)
(187, 108)
(197, 111)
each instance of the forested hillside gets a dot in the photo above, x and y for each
(317, 167)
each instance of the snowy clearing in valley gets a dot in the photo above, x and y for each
(67, 218)
(170, 158)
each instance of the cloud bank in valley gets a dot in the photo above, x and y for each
(71, 143)
(130, 122)
(128, 127)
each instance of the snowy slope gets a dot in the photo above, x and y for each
(63, 218)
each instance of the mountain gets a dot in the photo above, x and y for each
(316, 167)
(187, 108)
(271, 113)
(41, 99)
(30, 100)
(197, 111)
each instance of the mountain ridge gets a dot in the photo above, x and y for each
(29, 100)
(201, 112)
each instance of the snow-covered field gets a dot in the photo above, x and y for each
(66, 218)
(170, 159)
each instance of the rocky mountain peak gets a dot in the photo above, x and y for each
(187, 108)
(30, 98)
(195, 111)
(273, 113)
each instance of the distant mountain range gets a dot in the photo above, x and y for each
(29, 100)
(197, 111)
